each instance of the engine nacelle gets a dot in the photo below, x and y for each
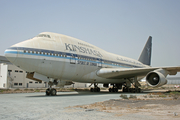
(156, 79)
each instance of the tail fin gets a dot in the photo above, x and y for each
(145, 56)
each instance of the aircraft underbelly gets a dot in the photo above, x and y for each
(55, 68)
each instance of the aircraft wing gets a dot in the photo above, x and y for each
(118, 73)
(172, 70)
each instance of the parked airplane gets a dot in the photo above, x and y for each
(59, 60)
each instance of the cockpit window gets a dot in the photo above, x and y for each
(43, 35)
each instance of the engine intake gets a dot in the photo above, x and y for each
(156, 79)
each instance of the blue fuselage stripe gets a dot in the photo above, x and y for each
(69, 56)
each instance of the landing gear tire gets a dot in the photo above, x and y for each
(116, 89)
(95, 89)
(110, 89)
(92, 90)
(48, 92)
(125, 89)
(113, 89)
(138, 90)
(51, 92)
(98, 89)
(132, 90)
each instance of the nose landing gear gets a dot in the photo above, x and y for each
(95, 89)
(51, 91)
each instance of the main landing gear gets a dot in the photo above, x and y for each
(135, 83)
(114, 88)
(131, 90)
(95, 89)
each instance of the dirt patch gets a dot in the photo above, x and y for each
(158, 107)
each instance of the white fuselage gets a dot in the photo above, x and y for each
(62, 57)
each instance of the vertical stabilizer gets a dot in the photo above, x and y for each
(145, 56)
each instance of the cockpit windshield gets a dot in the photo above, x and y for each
(43, 35)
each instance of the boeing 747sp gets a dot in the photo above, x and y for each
(59, 60)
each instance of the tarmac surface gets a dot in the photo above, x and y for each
(37, 106)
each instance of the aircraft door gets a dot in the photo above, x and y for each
(73, 59)
(99, 61)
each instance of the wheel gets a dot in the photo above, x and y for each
(113, 90)
(92, 90)
(116, 89)
(53, 92)
(124, 89)
(139, 90)
(110, 89)
(95, 90)
(134, 90)
(98, 89)
(48, 92)
(128, 89)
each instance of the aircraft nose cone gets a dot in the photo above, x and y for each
(11, 54)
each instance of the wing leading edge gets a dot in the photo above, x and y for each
(119, 73)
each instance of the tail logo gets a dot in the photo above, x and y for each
(148, 51)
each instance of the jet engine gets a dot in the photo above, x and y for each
(156, 78)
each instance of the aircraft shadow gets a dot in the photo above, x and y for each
(70, 94)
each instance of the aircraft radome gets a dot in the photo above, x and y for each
(61, 60)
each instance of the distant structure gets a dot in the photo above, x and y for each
(14, 77)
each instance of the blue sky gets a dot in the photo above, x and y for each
(118, 26)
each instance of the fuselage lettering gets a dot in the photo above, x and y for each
(82, 49)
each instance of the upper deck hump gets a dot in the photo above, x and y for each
(70, 39)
